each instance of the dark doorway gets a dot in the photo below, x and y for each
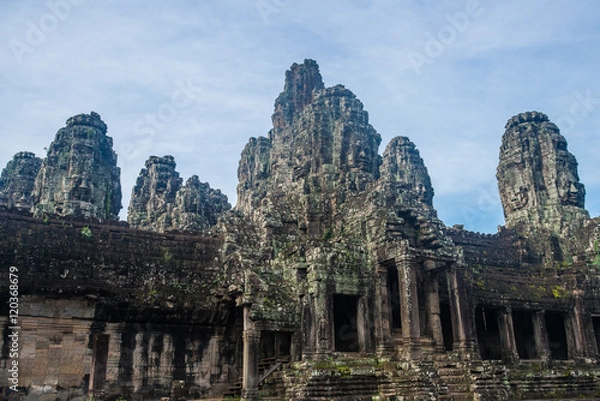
(488, 333)
(283, 344)
(557, 335)
(267, 345)
(345, 310)
(596, 323)
(393, 291)
(99, 361)
(524, 335)
(275, 344)
(446, 320)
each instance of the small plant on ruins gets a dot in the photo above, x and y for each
(86, 232)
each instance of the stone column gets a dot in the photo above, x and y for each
(383, 333)
(433, 312)
(575, 331)
(251, 338)
(507, 335)
(459, 312)
(323, 307)
(411, 329)
(540, 335)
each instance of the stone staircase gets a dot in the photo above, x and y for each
(441, 378)
(454, 382)
(269, 381)
(490, 380)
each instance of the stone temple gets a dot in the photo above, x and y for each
(331, 279)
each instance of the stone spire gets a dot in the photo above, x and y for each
(153, 195)
(321, 146)
(198, 206)
(160, 203)
(537, 177)
(17, 180)
(301, 81)
(79, 176)
(404, 171)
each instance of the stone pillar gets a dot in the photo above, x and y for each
(215, 355)
(507, 335)
(308, 344)
(575, 328)
(383, 332)
(459, 311)
(251, 338)
(540, 335)
(433, 311)
(411, 328)
(364, 325)
(323, 307)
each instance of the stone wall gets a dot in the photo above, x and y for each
(156, 297)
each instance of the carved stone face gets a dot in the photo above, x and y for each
(161, 174)
(359, 157)
(301, 165)
(519, 198)
(570, 191)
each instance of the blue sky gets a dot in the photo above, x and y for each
(196, 79)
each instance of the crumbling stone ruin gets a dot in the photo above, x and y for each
(160, 203)
(17, 180)
(79, 175)
(331, 279)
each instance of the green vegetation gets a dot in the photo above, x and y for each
(559, 292)
(86, 232)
